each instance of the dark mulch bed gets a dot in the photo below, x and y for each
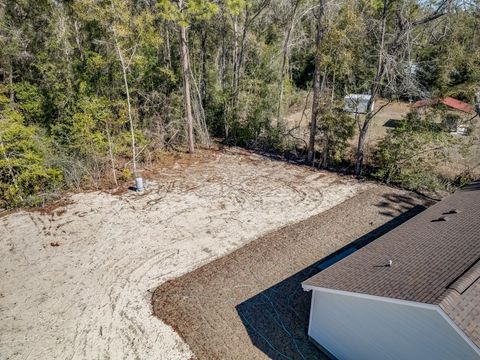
(250, 304)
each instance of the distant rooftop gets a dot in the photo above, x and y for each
(435, 259)
(448, 101)
(358, 103)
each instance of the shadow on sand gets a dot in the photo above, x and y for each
(277, 318)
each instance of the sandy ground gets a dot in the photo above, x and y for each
(77, 281)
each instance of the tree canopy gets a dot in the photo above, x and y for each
(90, 88)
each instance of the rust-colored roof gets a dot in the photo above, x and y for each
(435, 259)
(458, 105)
(448, 101)
(425, 102)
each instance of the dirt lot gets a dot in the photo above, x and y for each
(77, 280)
(250, 305)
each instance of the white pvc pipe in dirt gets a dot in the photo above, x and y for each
(139, 184)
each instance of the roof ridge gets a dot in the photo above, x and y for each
(467, 278)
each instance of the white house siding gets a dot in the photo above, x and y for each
(371, 328)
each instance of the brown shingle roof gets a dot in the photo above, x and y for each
(435, 259)
(464, 310)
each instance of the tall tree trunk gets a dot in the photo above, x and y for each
(77, 39)
(235, 48)
(326, 145)
(203, 60)
(241, 51)
(235, 64)
(10, 85)
(8, 165)
(317, 80)
(332, 98)
(110, 153)
(362, 135)
(186, 84)
(67, 51)
(223, 73)
(477, 103)
(288, 32)
(167, 45)
(240, 48)
(130, 116)
(374, 90)
(124, 66)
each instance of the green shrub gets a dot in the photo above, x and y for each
(336, 128)
(410, 152)
(251, 123)
(30, 102)
(24, 176)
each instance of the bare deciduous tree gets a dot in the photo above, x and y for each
(186, 83)
(285, 55)
(317, 79)
(125, 64)
(391, 66)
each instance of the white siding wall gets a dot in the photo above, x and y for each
(360, 328)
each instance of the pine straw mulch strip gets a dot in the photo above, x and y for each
(250, 304)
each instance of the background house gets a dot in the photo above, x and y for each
(457, 116)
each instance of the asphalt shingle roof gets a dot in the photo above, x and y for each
(435, 260)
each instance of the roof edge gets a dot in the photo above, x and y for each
(308, 287)
(459, 331)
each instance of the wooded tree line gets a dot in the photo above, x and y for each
(92, 90)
